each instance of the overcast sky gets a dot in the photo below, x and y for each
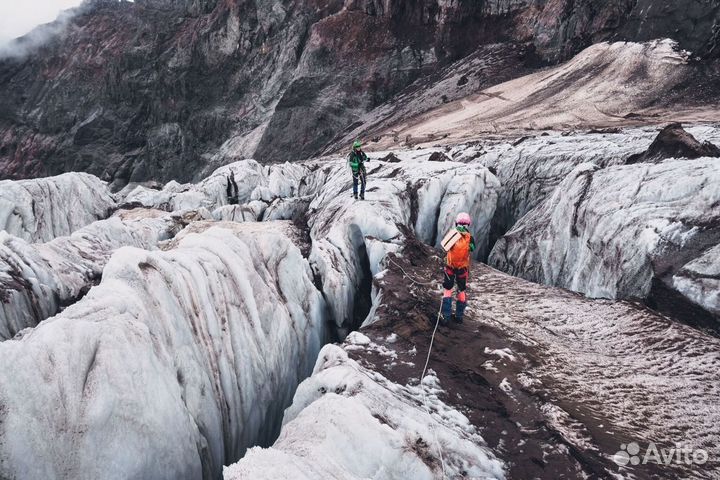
(18, 17)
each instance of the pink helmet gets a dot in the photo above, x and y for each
(463, 219)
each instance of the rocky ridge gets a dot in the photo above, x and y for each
(160, 89)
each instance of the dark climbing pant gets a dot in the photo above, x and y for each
(453, 276)
(359, 177)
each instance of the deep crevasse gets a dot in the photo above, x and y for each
(171, 367)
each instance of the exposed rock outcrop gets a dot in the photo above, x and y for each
(674, 142)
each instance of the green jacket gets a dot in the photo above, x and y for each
(357, 160)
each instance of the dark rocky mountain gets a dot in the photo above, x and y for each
(170, 89)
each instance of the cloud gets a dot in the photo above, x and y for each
(19, 18)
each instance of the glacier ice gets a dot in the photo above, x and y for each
(699, 280)
(41, 209)
(171, 367)
(609, 232)
(350, 239)
(370, 428)
(37, 279)
(201, 336)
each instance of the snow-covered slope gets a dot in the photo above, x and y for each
(608, 232)
(349, 423)
(38, 279)
(41, 209)
(607, 84)
(171, 367)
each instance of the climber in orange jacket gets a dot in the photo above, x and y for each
(459, 244)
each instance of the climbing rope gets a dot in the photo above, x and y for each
(422, 389)
(427, 361)
(413, 280)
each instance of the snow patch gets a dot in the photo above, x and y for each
(344, 409)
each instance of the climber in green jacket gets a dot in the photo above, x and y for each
(357, 159)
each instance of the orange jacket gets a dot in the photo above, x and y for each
(459, 254)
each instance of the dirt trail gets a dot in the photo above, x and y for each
(502, 368)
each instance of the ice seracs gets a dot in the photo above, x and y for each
(350, 239)
(191, 346)
(36, 280)
(41, 209)
(238, 183)
(170, 368)
(609, 232)
(348, 422)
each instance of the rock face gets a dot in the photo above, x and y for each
(171, 367)
(609, 232)
(167, 89)
(674, 142)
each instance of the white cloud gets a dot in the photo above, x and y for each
(17, 17)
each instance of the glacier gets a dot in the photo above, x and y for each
(371, 428)
(39, 210)
(171, 367)
(608, 232)
(36, 280)
(170, 329)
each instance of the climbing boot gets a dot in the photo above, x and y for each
(446, 310)
(460, 312)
